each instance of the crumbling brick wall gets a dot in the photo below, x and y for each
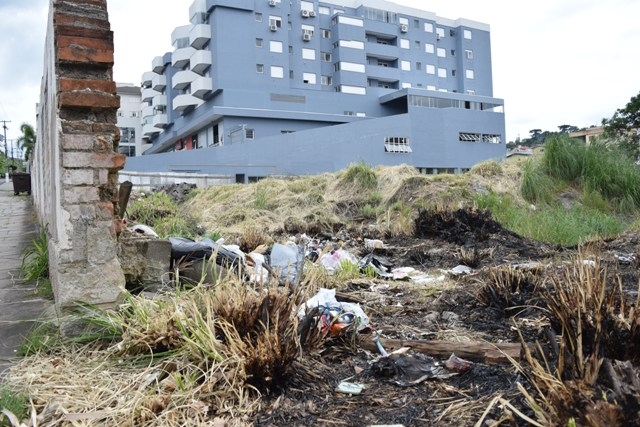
(75, 173)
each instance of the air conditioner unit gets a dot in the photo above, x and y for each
(306, 37)
(404, 28)
(273, 27)
(312, 13)
(272, 3)
(305, 13)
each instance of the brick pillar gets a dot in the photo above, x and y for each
(76, 161)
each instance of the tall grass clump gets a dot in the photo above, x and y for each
(160, 212)
(597, 167)
(362, 175)
(13, 407)
(537, 186)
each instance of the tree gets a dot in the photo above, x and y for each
(27, 141)
(567, 128)
(624, 127)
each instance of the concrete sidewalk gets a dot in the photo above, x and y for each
(19, 308)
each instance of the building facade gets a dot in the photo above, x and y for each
(129, 120)
(276, 87)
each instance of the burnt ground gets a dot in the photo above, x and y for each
(492, 304)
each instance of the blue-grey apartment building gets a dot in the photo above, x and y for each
(256, 88)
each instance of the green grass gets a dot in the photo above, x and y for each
(43, 338)
(15, 403)
(160, 212)
(553, 224)
(35, 259)
(362, 175)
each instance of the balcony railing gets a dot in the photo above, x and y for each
(184, 101)
(147, 94)
(159, 82)
(201, 87)
(159, 101)
(157, 65)
(182, 79)
(199, 35)
(200, 61)
(180, 57)
(160, 120)
(147, 78)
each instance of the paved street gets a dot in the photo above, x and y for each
(18, 306)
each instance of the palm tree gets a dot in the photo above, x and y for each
(28, 139)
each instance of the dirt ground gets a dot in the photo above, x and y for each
(463, 308)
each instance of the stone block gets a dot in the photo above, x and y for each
(80, 194)
(77, 177)
(100, 248)
(144, 260)
(93, 160)
(78, 142)
(101, 285)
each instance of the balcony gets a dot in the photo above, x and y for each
(147, 94)
(200, 61)
(182, 79)
(147, 111)
(159, 82)
(180, 57)
(148, 129)
(147, 78)
(179, 34)
(184, 101)
(198, 7)
(159, 100)
(201, 87)
(157, 65)
(160, 121)
(199, 35)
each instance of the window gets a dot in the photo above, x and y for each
(307, 29)
(469, 74)
(428, 27)
(309, 78)
(350, 66)
(397, 144)
(290, 74)
(405, 85)
(431, 69)
(260, 68)
(403, 21)
(349, 21)
(326, 56)
(440, 33)
(258, 17)
(249, 133)
(418, 66)
(277, 72)
(306, 5)
(258, 42)
(356, 90)
(442, 72)
(467, 34)
(453, 73)
(324, 10)
(353, 44)
(275, 46)
(326, 80)
(442, 53)
(452, 33)
(326, 34)
(309, 54)
(468, 54)
(404, 44)
(468, 137)
(429, 48)
(290, 50)
(431, 87)
(416, 23)
(405, 65)
(453, 52)
(491, 139)
(275, 21)
(471, 92)
(417, 44)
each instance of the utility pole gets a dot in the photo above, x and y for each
(6, 159)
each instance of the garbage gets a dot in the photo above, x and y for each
(289, 260)
(406, 369)
(334, 316)
(373, 244)
(143, 229)
(460, 270)
(350, 388)
(332, 261)
(184, 249)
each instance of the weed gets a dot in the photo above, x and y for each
(35, 259)
(15, 403)
(362, 175)
(160, 212)
(43, 338)
(261, 197)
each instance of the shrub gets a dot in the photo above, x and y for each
(362, 175)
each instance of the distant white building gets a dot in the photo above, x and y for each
(131, 142)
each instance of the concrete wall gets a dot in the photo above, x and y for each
(146, 181)
(76, 164)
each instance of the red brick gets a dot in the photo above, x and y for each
(87, 99)
(84, 49)
(66, 84)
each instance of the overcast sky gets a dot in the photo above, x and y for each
(555, 62)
